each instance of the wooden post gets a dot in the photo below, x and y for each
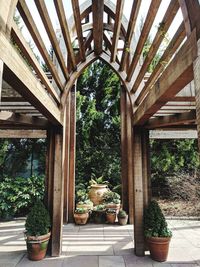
(1, 77)
(146, 167)
(57, 217)
(66, 157)
(72, 153)
(7, 9)
(129, 137)
(124, 172)
(196, 68)
(138, 193)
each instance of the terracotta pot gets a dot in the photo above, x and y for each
(158, 247)
(123, 220)
(99, 216)
(85, 206)
(37, 246)
(113, 206)
(111, 217)
(96, 193)
(81, 218)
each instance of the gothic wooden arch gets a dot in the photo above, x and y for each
(32, 99)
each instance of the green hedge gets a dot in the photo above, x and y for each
(17, 195)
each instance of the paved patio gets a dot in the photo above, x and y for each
(101, 246)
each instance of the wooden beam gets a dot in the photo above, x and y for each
(177, 119)
(124, 159)
(57, 216)
(28, 53)
(23, 119)
(167, 55)
(130, 31)
(71, 192)
(138, 193)
(65, 31)
(66, 157)
(117, 28)
(196, 69)
(7, 9)
(97, 13)
(143, 36)
(77, 19)
(191, 15)
(1, 78)
(164, 26)
(52, 36)
(173, 134)
(175, 77)
(22, 134)
(31, 25)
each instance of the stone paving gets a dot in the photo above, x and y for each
(96, 245)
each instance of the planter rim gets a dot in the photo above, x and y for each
(99, 185)
(37, 238)
(157, 239)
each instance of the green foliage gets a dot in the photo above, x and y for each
(38, 220)
(81, 193)
(155, 224)
(112, 211)
(99, 180)
(81, 210)
(111, 197)
(17, 195)
(122, 214)
(99, 207)
(98, 125)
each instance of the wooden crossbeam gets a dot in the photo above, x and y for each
(19, 76)
(167, 55)
(65, 31)
(164, 26)
(97, 12)
(22, 119)
(28, 53)
(22, 133)
(40, 4)
(177, 75)
(143, 36)
(130, 31)
(31, 25)
(177, 119)
(88, 40)
(117, 28)
(77, 18)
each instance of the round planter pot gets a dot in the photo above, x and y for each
(96, 193)
(113, 206)
(123, 220)
(99, 216)
(111, 217)
(81, 218)
(37, 246)
(85, 206)
(159, 247)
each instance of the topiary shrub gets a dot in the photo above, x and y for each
(38, 220)
(155, 224)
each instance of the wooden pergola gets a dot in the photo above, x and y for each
(38, 104)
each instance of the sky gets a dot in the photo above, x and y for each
(127, 9)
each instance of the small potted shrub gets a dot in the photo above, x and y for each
(81, 215)
(111, 200)
(111, 215)
(37, 232)
(156, 232)
(122, 217)
(99, 214)
(86, 204)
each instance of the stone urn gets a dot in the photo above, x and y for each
(96, 193)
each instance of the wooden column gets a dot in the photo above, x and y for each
(1, 77)
(196, 68)
(57, 217)
(7, 9)
(72, 153)
(129, 137)
(124, 171)
(138, 193)
(146, 167)
(66, 157)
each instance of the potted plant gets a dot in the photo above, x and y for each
(37, 232)
(111, 215)
(99, 213)
(81, 215)
(111, 200)
(156, 232)
(86, 204)
(97, 188)
(122, 217)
